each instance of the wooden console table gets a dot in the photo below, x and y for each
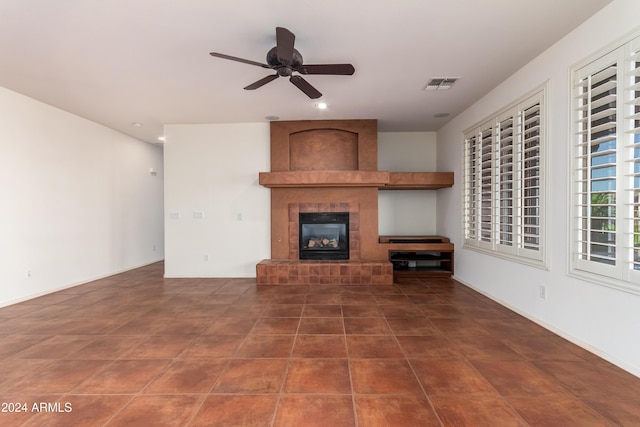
(419, 256)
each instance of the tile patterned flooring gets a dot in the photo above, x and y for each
(136, 349)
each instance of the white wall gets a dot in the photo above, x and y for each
(78, 202)
(213, 170)
(403, 212)
(602, 319)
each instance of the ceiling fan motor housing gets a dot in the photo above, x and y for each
(284, 70)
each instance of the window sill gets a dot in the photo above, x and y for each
(531, 262)
(609, 282)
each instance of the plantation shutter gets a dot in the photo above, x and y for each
(471, 187)
(606, 166)
(506, 180)
(632, 124)
(596, 162)
(531, 177)
(486, 185)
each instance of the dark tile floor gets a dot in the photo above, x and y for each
(136, 349)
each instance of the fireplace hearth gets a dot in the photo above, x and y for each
(324, 236)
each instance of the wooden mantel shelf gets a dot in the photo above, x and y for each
(323, 179)
(380, 179)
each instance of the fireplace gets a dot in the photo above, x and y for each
(328, 168)
(324, 235)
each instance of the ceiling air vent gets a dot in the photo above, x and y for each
(444, 83)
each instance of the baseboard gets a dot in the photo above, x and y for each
(633, 370)
(72, 285)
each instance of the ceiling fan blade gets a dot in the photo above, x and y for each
(234, 58)
(284, 44)
(304, 86)
(263, 81)
(335, 69)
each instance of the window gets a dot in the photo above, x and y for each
(504, 192)
(606, 168)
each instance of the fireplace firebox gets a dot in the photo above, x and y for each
(324, 235)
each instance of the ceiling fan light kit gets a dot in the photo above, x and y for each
(285, 60)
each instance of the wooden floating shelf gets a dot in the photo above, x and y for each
(418, 180)
(381, 179)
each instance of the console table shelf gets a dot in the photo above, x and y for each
(419, 256)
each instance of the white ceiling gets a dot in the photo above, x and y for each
(118, 62)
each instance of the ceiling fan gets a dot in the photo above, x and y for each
(286, 60)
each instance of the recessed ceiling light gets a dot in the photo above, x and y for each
(321, 105)
(441, 115)
(162, 138)
(272, 118)
(136, 125)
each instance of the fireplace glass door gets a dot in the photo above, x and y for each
(324, 236)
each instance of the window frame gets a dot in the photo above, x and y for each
(505, 238)
(622, 275)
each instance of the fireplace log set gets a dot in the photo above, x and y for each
(322, 242)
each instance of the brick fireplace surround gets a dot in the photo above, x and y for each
(325, 166)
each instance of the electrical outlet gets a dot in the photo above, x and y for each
(154, 247)
(27, 274)
(239, 216)
(543, 291)
(206, 257)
